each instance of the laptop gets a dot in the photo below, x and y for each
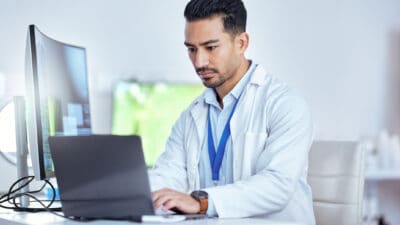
(104, 177)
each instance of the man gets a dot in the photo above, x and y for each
(241, 148)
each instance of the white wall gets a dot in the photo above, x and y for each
(343, 55)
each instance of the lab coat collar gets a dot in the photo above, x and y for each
(258, 76)
(199, 108)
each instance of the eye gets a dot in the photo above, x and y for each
(211, 48)
(191, 49)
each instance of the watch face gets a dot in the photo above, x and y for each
(199, 194)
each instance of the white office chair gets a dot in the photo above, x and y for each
(336, 177)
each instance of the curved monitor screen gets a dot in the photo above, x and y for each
(57, 96)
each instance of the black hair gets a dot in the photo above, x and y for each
(233, 13)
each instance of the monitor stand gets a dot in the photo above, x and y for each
(22, 146)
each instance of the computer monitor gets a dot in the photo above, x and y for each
(56, 95)
(150, 109)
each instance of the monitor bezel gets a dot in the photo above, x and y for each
(33, 117)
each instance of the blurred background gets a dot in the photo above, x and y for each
(343, 56)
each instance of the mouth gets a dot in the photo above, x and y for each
(206, 74)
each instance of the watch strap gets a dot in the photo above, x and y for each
(203, 205)
(202, 198)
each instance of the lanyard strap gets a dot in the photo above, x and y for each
(216, 156)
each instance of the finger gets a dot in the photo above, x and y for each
(181, 204)
(158, 193)
(162, 199)
(155, 195)
(171, 204)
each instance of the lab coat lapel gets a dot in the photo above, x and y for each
(241, 124)
(199, 116)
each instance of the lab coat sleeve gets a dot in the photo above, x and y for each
(285, 156)
(172, 159)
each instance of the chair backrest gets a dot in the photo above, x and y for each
(336, 177)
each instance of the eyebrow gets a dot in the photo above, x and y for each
(203, 43)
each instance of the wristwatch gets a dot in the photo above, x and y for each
(202, 198)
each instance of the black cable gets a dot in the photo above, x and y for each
(12, 196)
(11, 191)
(39, 190)
(9, 196)
(29, 194)
(46, 208)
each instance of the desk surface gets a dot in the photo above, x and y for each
(9, 217)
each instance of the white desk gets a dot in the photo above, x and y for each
(9, 217)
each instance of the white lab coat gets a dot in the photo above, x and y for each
(271, 132)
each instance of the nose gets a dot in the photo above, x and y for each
(201, 59)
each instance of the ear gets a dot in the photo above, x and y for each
(242, 42)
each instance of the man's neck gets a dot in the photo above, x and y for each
(229, 84)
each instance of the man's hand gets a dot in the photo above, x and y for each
(171, 200)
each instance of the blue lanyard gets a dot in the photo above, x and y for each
(216, 156)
